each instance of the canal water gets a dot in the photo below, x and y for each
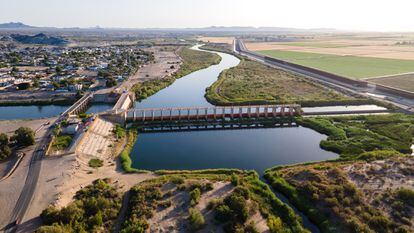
(256, 149)
(42, 111)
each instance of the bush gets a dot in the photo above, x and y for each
(235, 180)
(406, 195)
(95, 163)
(223, 213)
(195, 196)
(119, 131)
(275, 224)
(196, 219)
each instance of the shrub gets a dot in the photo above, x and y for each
(223, 213)
(406, 195)
(95, 163)
(196, 219)
(235, 180)
(275, 224)
(195, 196)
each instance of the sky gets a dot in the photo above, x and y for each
(370, 15)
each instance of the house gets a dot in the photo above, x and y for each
(75, 87)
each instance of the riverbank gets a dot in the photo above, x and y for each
(24, 98)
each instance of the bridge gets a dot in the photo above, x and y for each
(79, 106)
(160, 115)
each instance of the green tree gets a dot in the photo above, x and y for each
(59, 69)
(4, 139)
(24, 136)
(110, 82)
(36, 82)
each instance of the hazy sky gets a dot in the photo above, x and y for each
(383, 15)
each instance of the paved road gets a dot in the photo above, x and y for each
(30, 184)
(370, 91)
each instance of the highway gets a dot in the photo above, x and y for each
(407, 104)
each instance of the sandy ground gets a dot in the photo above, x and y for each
(11, 187)
(174, 218)
(62, 176)
(225, 40)
(376, 51)
(80, 174)
(97, 140)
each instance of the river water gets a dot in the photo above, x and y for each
(42, 111)
(256, 149)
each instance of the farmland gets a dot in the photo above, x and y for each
(404, 82)
(350, 66)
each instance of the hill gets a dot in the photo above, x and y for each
(40, 38)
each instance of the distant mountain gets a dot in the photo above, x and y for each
(40, 38)
(16, 25)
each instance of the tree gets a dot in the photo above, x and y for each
(59, 69)
(110, 82)
(36, 82)
(24, 136)
(4, 139)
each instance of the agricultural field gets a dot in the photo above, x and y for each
(374, 196)
(254, 83)
(349, 66)
(352, 55)
(404, 82)
(220, 40)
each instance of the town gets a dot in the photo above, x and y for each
(47, 71)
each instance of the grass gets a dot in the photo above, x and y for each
(125, 158)
(253, 83)
(349, 66)
(95, 163)
(61, 142)
(193, 60)
(404, 82)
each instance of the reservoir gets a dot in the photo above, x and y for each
(256, 149)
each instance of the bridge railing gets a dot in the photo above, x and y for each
(200, 113)
(77, 104)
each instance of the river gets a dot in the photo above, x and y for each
(43, 111)
(253, 149)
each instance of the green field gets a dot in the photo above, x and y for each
(349, 66)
